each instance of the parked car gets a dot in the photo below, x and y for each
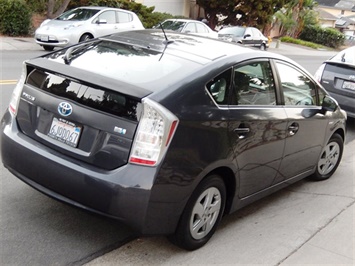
(165, 134)
(189, 26)
(337, 75)
(248, 36)
(83, 23)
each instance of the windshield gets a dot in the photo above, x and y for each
(79, 14)
(236, 31)
(173, 25)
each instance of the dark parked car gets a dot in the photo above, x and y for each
(166, 134)
(248, 36)
(337, 75)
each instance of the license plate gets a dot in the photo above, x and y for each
(65, 131)
(349, 85)
(44, 38)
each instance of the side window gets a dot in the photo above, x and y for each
(248, 32)
(219, 87)
(190, 27)
(109, 16)
(201, 28)
(254, 84)
(123, 17)
(297, 88)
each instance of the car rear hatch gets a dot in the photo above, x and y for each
(85, 116)
(339, 79)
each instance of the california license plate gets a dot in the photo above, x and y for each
(349, 85)
(65, 131)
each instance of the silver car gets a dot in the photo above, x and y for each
(189, 26)
(248, 36)
(83, 23)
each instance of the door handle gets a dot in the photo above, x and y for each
(242, 132)
(293, 128)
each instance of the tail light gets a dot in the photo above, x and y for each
(154, 134)
(319, 73)
(16, 94)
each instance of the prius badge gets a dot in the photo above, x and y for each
(65, 109)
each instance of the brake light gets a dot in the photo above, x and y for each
(154, 134)
(16, 94)
(319, 73)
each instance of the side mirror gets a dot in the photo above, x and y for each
(101, 21)
(329, 104)
(247, 36)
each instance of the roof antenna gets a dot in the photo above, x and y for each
(167, 41)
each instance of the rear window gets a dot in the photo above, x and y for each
(135, 65)
(98, 98)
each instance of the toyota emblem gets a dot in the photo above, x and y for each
(65, 109)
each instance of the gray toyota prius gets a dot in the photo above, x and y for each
(168, 132)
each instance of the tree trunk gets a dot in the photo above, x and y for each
(51, 13)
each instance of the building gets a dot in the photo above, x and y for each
(339, 14)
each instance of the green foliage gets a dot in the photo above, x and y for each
(15, 17)
(37, 6)
(301, 42)
(240, 12)
(326, 36)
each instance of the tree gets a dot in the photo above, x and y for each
(241, 12)
(295, 15)
(56, 7)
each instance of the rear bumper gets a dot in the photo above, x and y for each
(123, 193)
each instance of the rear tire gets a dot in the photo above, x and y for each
(263, 47)
(329, 159)
(202, 214)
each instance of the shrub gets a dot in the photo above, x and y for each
(15, 17)
(326, 36)
(146, 14)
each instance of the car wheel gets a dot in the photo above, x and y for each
(262, 47)
(85, 37)
(48, 48)
(329, 159)
(202, 214)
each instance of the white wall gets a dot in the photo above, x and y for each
(174, 7)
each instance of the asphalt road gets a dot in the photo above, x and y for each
(36, 230)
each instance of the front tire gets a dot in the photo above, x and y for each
(86, 37)
(48, 48)
(202, 214)
(329, 159)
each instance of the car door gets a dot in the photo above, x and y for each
(257, 126)
(306, 125)
(105, 23)
(248, 37)
(257, 41)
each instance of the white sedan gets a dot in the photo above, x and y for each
(190, 26)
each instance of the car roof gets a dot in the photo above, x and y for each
(188, 45)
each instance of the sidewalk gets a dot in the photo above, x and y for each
(18, 43)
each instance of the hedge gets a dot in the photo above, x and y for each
(325, 36)
(15, 18)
